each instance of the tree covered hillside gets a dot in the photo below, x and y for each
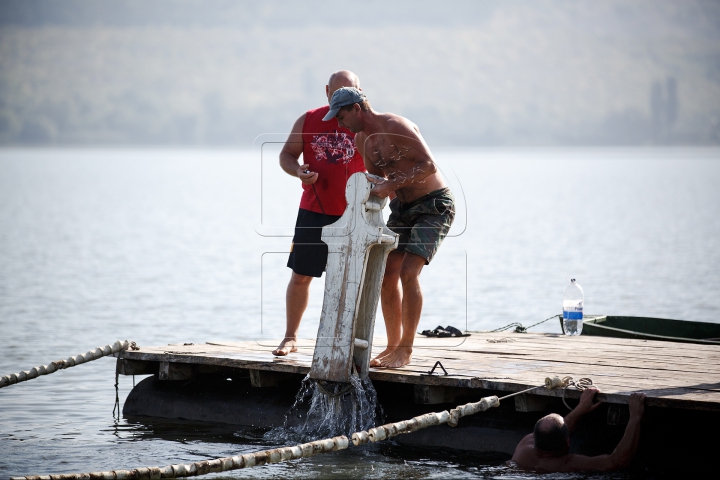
(468, 73)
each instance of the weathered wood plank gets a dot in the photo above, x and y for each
(434, 394)
(485, 370)
(175, 371)
(267, 378)
(531, 403)
(136, 367)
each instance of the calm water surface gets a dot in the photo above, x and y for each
(162, 246)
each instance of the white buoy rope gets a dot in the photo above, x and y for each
(52, 367)
(208, 466)
(284, 454)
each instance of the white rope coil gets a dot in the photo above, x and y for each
(568, 382)
(565, 382)
(52, 367)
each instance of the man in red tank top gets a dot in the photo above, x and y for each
(329, 159)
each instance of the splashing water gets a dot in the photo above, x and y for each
(324, 409)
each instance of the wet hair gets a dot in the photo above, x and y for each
(364, 106)
(551, 433)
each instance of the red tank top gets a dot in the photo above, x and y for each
(330, 151)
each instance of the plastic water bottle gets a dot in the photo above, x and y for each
(573, 301)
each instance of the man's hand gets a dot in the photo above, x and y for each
(637, 405)
(307, 178)
(383, 188)
(586, 404)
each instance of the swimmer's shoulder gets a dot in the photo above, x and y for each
(524, 453)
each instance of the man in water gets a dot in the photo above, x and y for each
(329, 159)
(422, 210)
(546, 449)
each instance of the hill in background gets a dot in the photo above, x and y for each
(468, 73)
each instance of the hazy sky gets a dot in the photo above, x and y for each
(467, 72)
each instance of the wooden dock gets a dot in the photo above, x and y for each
(673, 375)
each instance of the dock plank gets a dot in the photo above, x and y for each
(671, 374)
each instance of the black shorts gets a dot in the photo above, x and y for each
(308, 255)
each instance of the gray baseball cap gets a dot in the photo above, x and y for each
(341, 98)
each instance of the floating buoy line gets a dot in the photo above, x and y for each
(276, 455)
(52, 367)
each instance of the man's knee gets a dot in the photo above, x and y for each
(408, 276)
(392, 268)
(411, 267)
(391, 277)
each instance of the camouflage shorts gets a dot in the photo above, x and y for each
(424, 223)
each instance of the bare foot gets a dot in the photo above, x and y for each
(377, 361)
(399, 357)
(287, 346)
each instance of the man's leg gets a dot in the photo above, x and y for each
(296, 301)
(412, 301)
(391, 301)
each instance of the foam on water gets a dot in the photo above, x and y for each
(325, 409)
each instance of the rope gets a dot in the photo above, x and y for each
(283, 454)
(518, 327)
(69, 362)
(116, 406)
(567, 382)
(321, 386)
(330, 394)
(318, 199)
(506, 327)
(536, 324)
(581, 385)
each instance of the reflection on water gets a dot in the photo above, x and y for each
(160, 247)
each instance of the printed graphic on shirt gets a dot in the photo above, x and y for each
(333, 147)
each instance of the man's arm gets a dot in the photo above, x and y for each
(360, 139)
(292, 150)
(625, 450)
(584, 407)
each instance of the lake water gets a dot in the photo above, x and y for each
(164, 246)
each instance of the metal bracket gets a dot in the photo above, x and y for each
(437, 364)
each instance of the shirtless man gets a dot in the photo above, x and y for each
(329, 158)
(422, 211)
(546, 449)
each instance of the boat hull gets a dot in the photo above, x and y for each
(651, 329)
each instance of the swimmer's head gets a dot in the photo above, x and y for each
(551, 434)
